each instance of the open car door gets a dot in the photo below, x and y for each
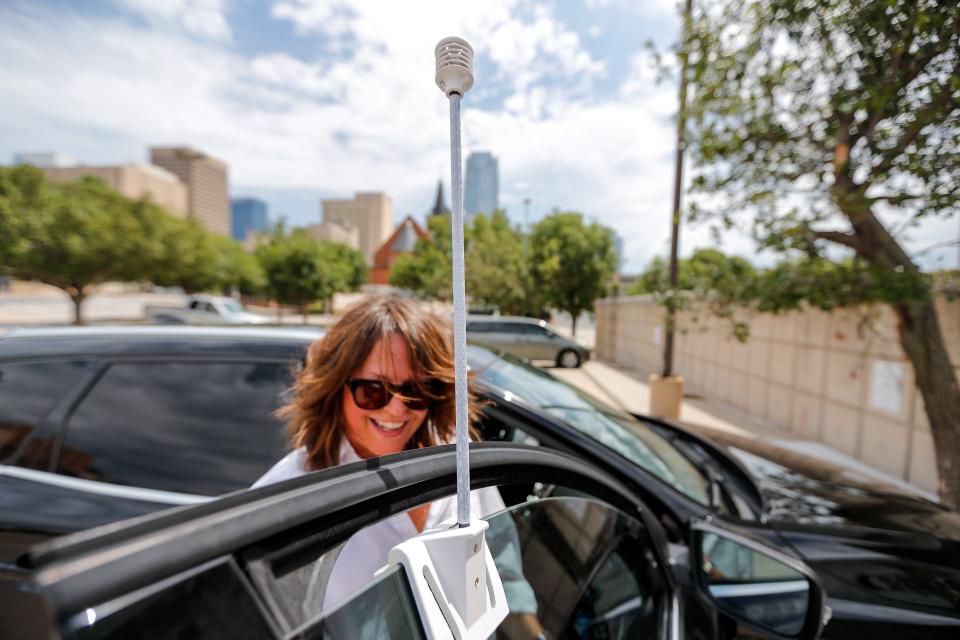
(579, 558)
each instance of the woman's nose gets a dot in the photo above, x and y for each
(396, 406)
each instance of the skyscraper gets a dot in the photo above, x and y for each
(206, 180)
(482, 190)
(370, 213)
(248, 214)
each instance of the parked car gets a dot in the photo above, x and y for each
(888, 560)
(528, 338)
(203, 309)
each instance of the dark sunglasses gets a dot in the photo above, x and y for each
(371, 395)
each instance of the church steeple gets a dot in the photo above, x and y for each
(439, 207)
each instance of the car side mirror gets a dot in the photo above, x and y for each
(755, 584)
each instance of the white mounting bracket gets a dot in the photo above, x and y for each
(454, 581)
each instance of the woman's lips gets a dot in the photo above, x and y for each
(390, 429)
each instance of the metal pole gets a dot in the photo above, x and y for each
(677, 193)
(459, 318)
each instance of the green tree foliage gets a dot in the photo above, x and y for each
(299, 270)
(428, 270)
(73, 236)
(572, 263)
(497, 271)
(837, 123)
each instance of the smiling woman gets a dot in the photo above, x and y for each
(381, 381)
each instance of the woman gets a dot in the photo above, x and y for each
(379, 382)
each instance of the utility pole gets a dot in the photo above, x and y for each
(677, 194)
(666, 389)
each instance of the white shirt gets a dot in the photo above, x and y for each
(366, 551)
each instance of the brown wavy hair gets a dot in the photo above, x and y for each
(315, 410)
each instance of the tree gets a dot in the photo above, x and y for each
(429, 269)
(498, 274)
(835, 124)
(572, 263)
(300, 270)
(72, 236)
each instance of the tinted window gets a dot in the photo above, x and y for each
(588, 567)
(213, 601)
(570, 567)
(382, 610)
(533, 330)
(28, 391)
(505, 327)
(204, 428)
(479, 326)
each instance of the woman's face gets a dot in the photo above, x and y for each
(386, 430)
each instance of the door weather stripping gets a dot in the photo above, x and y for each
(454, 581)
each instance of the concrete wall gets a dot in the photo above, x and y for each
(840, 377)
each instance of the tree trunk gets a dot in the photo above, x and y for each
(305, 310)
(573, 323)
(922, 341)
(279, 313)
(77, 297)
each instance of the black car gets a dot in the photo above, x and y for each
(888, 560)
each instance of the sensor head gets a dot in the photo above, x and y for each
(454, 66)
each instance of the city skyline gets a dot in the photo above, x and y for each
(309, 99)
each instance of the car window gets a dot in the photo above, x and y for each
(28, 391)
(504, 327)
(210, 601)
(202, 428)
(478, 327)
(622, 434)
(571, 567)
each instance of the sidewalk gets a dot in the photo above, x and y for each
(627, 390)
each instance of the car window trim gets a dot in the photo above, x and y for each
(99, 487)
(79, 571)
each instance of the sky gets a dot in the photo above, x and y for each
(307, 99)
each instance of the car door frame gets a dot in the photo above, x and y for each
(94, 567)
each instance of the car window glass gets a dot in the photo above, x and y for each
(28, 391)
(384, 609)
(212, 601)
(478, 327)
(570, 567)
(624, 435)
(203, 428)
(504, 327)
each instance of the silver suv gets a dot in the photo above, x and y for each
(528, 338)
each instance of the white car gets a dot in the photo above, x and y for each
(204, 309)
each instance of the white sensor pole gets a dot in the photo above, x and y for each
(455, 78)
(452, 576)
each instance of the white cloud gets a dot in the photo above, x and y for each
(204, 18)
(369, 119)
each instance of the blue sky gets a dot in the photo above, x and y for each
(307, 99)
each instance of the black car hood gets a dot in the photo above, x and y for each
(869, 540)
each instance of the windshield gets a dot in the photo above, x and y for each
(233, 306)
(611, 428)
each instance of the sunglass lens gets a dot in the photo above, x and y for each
(370, 395)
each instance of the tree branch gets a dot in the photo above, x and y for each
(840, 237)
(922, 117)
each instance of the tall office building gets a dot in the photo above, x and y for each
(370, 213)
(132, 180)
(247, 214)
(482, 190)
(206, 180)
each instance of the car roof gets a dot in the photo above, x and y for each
(156, 340)
(512, 319)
